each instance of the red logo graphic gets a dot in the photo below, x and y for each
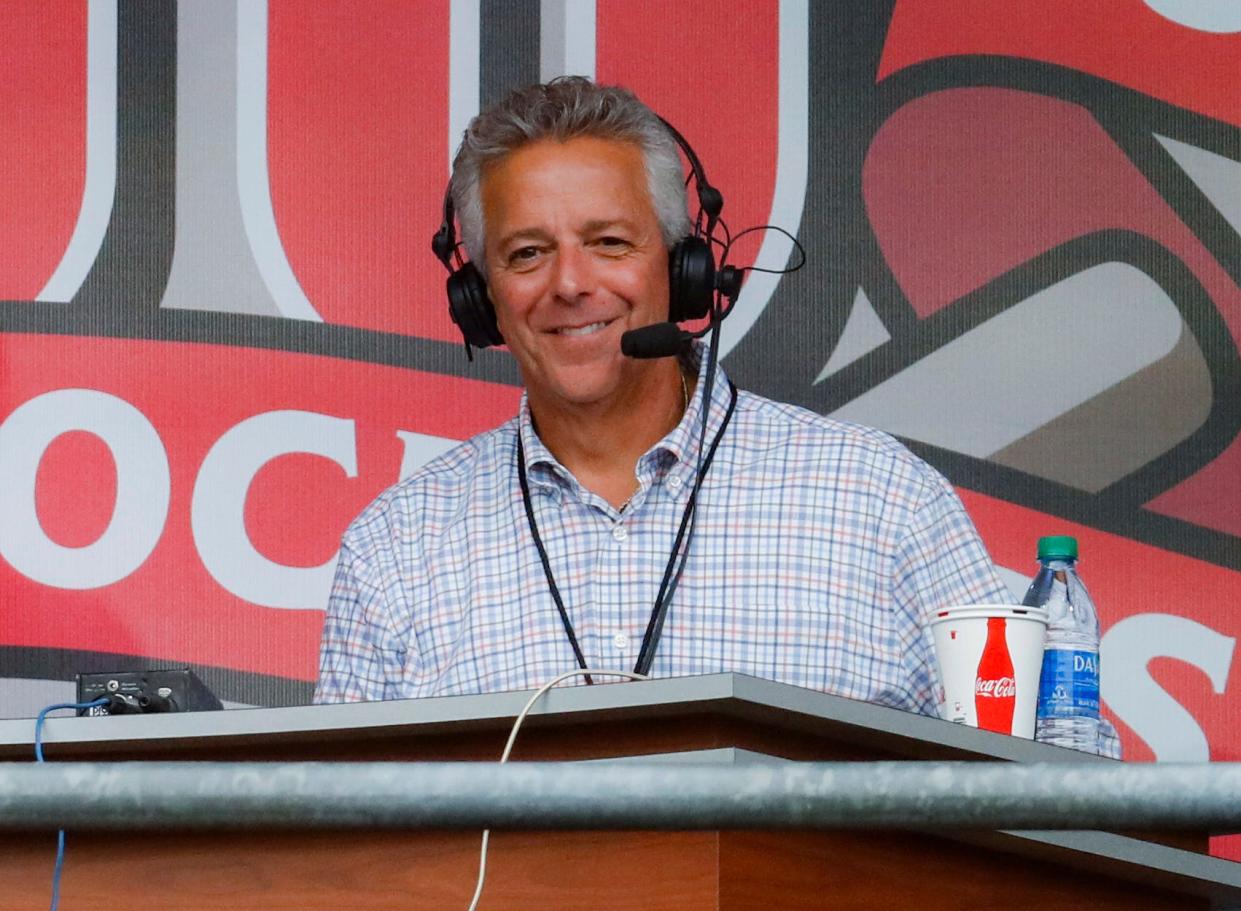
(995, 688)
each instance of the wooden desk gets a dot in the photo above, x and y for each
(720, 718)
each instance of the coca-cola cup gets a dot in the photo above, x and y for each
(990, 656)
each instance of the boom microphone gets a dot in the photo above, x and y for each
(655, 340)
(667, 339)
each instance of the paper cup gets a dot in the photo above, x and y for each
(990, 656)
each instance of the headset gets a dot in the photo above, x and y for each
(692, 274)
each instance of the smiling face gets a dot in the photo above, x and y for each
(574, 258)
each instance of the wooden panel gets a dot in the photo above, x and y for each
(335, 871)
(859, 871)
(775, 871)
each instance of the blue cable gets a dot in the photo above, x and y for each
(38, 755)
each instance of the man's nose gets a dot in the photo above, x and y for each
(574, 273)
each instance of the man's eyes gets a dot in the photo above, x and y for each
(611, 242)
(531, 253)
(523, 255)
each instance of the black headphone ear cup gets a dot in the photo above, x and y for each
(471, 308)
(691, 279)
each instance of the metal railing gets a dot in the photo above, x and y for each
(630, 795)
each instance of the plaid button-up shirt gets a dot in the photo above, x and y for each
(819, 548)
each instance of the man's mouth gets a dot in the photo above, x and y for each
(576, 331)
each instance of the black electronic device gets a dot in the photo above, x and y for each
(146, 692)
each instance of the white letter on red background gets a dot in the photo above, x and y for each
(142, 488)
(1164, 724)
(217, 513)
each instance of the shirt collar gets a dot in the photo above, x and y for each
(535, 452)
(680, 443)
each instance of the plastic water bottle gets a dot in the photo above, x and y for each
(1068, 698)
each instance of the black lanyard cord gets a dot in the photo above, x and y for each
(689, 521)
(547, 567)
(667, 586)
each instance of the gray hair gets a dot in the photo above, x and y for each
(563, 109)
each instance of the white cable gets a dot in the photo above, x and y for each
(508, 748)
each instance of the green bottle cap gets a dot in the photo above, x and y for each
(1057, 547)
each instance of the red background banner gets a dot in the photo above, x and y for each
(256, 342)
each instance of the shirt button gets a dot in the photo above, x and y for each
(620, 532)
(674, 482)
(621, 641)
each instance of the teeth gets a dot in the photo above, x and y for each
(583, 330)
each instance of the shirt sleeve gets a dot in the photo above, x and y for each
(1109, 740)
(362, 657)
(940, 560)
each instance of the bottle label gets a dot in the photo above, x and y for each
(1069, 685)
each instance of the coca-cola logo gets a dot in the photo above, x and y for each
(1000, 688)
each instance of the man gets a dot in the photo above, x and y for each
(817, 548)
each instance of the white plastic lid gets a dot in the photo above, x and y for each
(986, 611)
